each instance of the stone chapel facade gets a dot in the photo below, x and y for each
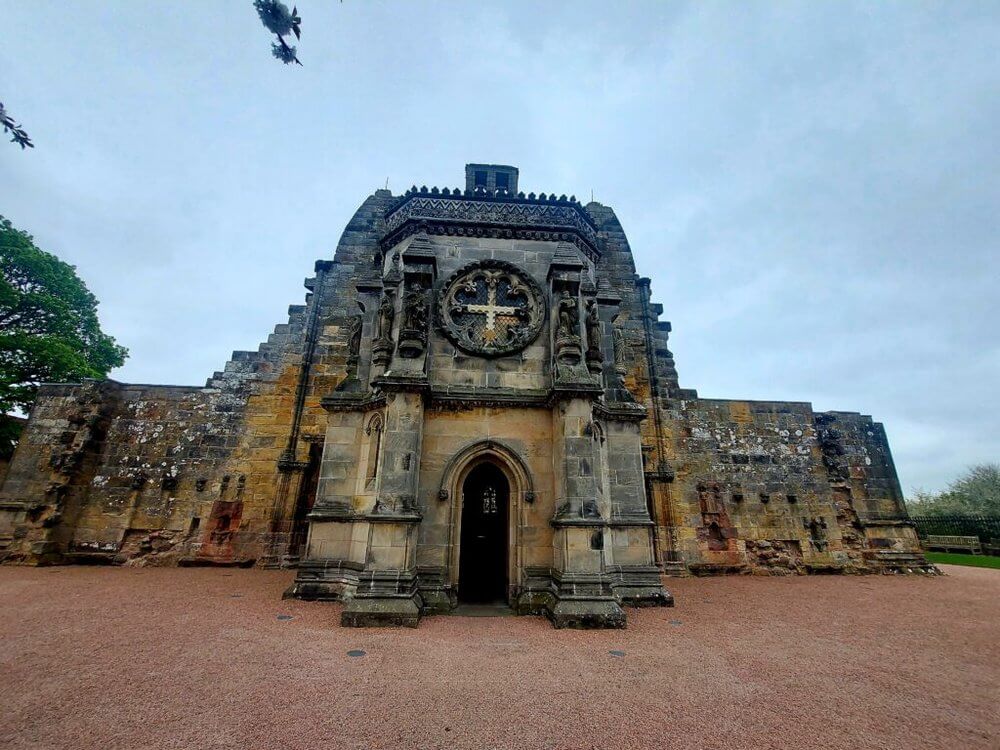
(476, 403)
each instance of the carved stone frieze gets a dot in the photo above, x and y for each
(506, 215)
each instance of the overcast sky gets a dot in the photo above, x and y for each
(813, 187)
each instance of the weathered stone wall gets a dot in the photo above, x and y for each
(748, 489)
(741, 486)
(161, 474)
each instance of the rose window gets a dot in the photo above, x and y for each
(491, 308)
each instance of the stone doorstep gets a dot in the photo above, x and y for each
(495, 609)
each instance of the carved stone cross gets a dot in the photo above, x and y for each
(491, 309)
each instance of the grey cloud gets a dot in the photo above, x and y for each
(811, 186)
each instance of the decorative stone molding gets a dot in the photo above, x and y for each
(287, 466)
(621, 411)
(352, 402)
(491, 309)
(508, 457)
(435, 214)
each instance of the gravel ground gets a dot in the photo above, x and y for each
(197, 658)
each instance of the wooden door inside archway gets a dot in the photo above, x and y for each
(483, 547)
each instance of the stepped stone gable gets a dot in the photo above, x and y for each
(476, 402)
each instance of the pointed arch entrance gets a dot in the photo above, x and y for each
(483, 549)
(488, 484)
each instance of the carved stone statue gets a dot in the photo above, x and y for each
(354, 336)
(386, 314)
(415, 308)
(593, 325)
(413, 333)
(569, 316)
(621, 347)
(621, 357)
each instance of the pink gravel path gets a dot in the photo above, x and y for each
(172, 658)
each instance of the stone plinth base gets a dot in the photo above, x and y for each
(438, 596)
(640, 586)
(369, 612)
(325, 580)
(587, 614)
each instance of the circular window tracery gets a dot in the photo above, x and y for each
(491, 308)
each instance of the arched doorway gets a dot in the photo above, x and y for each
(483, 547)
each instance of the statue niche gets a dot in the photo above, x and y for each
(413, 333)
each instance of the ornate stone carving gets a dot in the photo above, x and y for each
(620, 346)
(568, 348)
(382, 347)
(593, 324)
(394, 272)
(569, 316)
(507, 215)
(386, 314)
(354, 337)
(491, 308)
(413, 336)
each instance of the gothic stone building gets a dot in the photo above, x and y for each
(476, 402)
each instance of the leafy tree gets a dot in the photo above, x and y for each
(17, 133)
(976, 492)
(49, 330)
(281, 22)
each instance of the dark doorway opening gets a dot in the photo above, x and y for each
(482, 567)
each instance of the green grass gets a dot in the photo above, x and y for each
(953, 558)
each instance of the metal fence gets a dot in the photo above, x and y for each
(987, 528)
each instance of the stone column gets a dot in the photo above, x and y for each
(631, 530)
(583, 594)
(386, 593)
(337, 542)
